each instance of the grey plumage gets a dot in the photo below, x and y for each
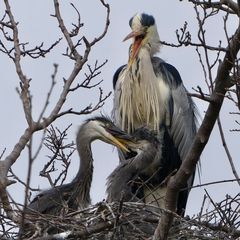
(64, 199)
(147, 147)
(76, 194)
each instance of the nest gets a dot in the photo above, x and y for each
(119, 221)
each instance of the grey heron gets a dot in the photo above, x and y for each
(149, 91)
(76, 194)
(145, 166)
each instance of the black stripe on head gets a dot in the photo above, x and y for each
(147, 20)
(130, 22)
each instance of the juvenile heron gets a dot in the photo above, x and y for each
(148, 167)
(148, 91)
(146, 149)
(76, 194)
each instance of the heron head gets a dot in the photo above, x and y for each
(104, 129)
(144, 33)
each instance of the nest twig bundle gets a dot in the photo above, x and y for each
(119, 221)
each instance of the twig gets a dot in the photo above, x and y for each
(227, 151)
(1, 155)
(107, 22)
(53, 83)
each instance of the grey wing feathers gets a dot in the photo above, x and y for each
(183, 128)
(183, 119)
(42, 203)
(47, 201)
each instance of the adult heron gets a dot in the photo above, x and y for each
(148, 91)
(76, 194)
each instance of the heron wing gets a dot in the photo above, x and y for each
(51, 201)
(183, 121)
(43, 202)
(183, 118)
(183, 128)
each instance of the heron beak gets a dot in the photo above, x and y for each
(130, 35)
(138, 38)
(118, 142)
(120, 138)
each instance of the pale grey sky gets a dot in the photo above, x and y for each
(36, 26)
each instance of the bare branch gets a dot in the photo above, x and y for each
(14, 176)
(1, 155)
(53, 83)
(25, 95)
(77, 26)
(89, 109)
(37, 51)
(228, 6)
(188, 165)
(6, 204)
(54, 141)
(97, 39)
(89, 77)
(65, 32)
(215, 182)
(227, 150)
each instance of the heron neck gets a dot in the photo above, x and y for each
(83, 178)
(86, 162)
(141, 96)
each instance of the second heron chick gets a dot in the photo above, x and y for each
(143, 160)
(143, 176)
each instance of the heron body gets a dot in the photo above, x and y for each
(149, 92)
(76, 194)
(142, 175)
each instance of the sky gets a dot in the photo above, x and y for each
(37, 26)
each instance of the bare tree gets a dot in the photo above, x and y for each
(121, 220)
(78, 48)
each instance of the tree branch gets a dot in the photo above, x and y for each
(188, 165)
(227, 150)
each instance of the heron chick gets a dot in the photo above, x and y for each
(122, 182)
(76, 194)
(145, 170)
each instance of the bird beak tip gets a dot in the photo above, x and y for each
(122, 145)
(119, 139)
(130, 35)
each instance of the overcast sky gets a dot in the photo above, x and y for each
(37, 26)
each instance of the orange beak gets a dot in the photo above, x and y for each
(138, 37)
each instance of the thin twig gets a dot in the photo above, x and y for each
(224, 143)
